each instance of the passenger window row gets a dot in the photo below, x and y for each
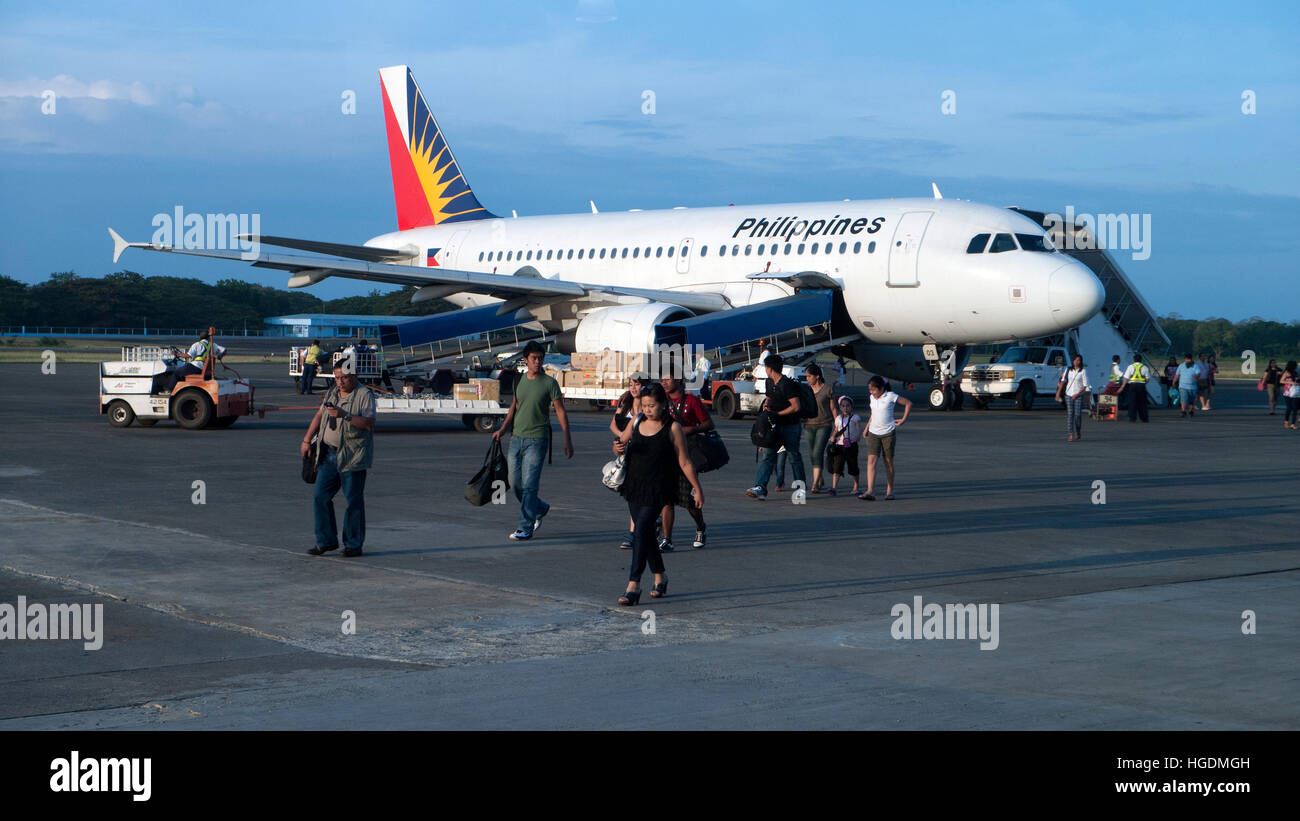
(774, 249)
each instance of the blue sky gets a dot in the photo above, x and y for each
(236, 107)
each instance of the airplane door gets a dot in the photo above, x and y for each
(452, 248)
(906, 249)
(684, 255)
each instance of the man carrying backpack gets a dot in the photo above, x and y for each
(783, 402)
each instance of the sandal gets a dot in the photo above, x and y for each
(630, 598)
(660, 590)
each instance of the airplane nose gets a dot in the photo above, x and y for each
(1074, 294)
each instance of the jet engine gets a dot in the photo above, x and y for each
(625, 327)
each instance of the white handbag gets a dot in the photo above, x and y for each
(613, 474)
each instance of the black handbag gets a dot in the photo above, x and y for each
(763, 434)
(478, 490)
(707, 451)
(311, 462)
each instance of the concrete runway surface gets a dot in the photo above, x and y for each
(1123, 615)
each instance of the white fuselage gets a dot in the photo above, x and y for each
(903, 265)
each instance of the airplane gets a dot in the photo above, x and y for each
(892, 277)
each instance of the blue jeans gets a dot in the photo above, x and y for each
(526, 458)
(328, 482)
(789, 436)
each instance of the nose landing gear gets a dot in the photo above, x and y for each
(945, 391)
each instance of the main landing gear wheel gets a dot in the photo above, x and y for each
(120, 414)
(724, 403)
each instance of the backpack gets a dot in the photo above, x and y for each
(807, 401)
(763, 434)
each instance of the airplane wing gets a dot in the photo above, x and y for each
(518, 291)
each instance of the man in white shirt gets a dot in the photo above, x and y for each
(881, 434)
(1074, 384)
(198, 355)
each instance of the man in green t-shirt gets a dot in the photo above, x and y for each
(530, 413)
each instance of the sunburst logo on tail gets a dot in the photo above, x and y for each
(428, 186)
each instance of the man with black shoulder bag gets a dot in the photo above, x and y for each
(346, 424)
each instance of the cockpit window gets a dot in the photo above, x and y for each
(1002, 242)
(1035, 242)
(977, 244)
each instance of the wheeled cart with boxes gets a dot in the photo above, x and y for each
(477, 402)
(601, 378)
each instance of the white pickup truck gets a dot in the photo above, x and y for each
(1020, 373)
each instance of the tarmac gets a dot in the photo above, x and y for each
(1125, 615)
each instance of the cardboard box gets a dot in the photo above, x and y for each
(633, 363)
(487, 389)
(463, 392)
(582, 379)
(606, 361)
(616, 380)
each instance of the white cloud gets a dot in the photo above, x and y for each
(66, 87)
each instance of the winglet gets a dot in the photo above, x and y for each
(593, 206)
(119, 244)
(937, 195)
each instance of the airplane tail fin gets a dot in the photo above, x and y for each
(428, 186)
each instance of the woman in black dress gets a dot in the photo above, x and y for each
(656, 455)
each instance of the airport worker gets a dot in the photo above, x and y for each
(818, 429)
(1116, 369)
(881, 435)
(198, 356)
(310, 362)
(689, 412)
(1074, 385)
(655, 454)
(346, 422)
(783, 401)
(529, 420)
(1137, 375)
(1186, 378)
(843, 447)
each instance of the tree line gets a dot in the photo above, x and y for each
(129, 300)
(1267, 338)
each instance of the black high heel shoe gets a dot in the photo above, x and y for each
(629, 598)
(660, 590)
